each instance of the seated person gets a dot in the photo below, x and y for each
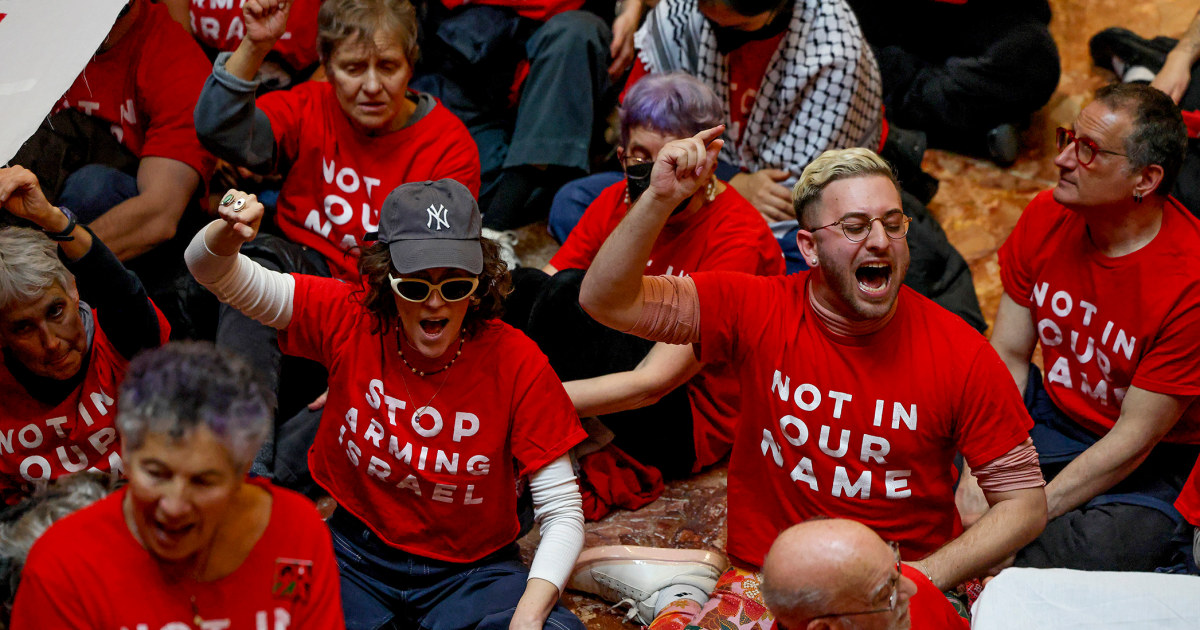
(133, 193)
(772, 109)
(435, 410)
(22, 524)
(71, 318)
(531, 80)
(217, 26)
(632, 384)
(1103, 272)
(967, 73)
(342, 144)
(856, 392)
(829, 573)
(194, 543)
(1169, 65)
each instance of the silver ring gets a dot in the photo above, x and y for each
(239, 204)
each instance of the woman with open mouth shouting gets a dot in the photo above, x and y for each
(435, 410)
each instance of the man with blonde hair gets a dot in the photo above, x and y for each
(856, 391)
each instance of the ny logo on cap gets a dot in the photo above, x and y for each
(440, 215)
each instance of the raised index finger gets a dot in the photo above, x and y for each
(710, 134)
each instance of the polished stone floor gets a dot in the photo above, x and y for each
(977, 203)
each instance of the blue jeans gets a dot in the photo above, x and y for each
(94, 189)
(383, 587)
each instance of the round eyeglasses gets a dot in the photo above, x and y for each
(418, 290)
(857, 229)
(1085, 148)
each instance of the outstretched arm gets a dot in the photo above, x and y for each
(665, 368)
(612, 288)
(213, 259)
(1176, 72)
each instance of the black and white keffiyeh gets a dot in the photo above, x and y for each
(821, 89)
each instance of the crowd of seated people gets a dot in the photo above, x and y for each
(757, 287)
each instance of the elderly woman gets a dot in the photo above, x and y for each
(189, 542)
(435, 410)
(63, 356)
(342, 144)
(666, 408)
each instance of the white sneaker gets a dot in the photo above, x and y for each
(637, 576)
(507, 240)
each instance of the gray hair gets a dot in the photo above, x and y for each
(183, 386)
(342, 20)
(29, 265)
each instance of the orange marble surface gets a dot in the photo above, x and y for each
(977, 203)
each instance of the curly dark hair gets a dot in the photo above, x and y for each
(376, 295)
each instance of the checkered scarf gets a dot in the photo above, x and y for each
(821, 89)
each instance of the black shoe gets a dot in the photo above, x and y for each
(1130, 48)
(1003, 144)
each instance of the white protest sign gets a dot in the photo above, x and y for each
(44, 45)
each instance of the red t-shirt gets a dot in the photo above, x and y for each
(727, 234)
(1106, 324)
(88, 571)
(218, 24)
(338, 177)
(146, 86)
(432, 472)
(864, 428)
(540, 10)
(747, 66)
(929, 609)
(1188, 502)
(40, 442)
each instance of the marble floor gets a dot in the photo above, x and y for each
(977, 203)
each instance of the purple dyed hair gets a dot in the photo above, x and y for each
(676, 104)
(182, 386)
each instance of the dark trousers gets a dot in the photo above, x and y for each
(295, 381)
(547, 309)
(1131, 527)
(385, 588)
(956, 71)
(1187, 187)
(470, 57)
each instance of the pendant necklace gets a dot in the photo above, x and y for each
(462, 337)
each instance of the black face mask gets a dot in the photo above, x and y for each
(637, 181)
(730, 39)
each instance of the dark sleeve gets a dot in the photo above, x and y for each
(230, 125)
(109, 287)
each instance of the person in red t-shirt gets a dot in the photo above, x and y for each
(823, 570)
(342, 145)
(435, 410)
(71, 318)
(652, 396)
(217, 25)
(189, 542)
(856, 392)
(141, 85)
(1099, 272)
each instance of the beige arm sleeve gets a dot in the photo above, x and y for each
(670, 310)
(1015, 470)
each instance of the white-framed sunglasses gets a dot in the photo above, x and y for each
(418, 290)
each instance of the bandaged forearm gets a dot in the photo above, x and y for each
(670, 310)
(558, 511)
(1015, 470)
(262, 294)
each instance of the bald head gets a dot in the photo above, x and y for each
(831, 566)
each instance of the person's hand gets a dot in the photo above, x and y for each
(1175, 75)
(21, 195)
(242, 214)
(684, 165)
(763, 190)
(265, 20)
(319, 402)
(623, 28)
